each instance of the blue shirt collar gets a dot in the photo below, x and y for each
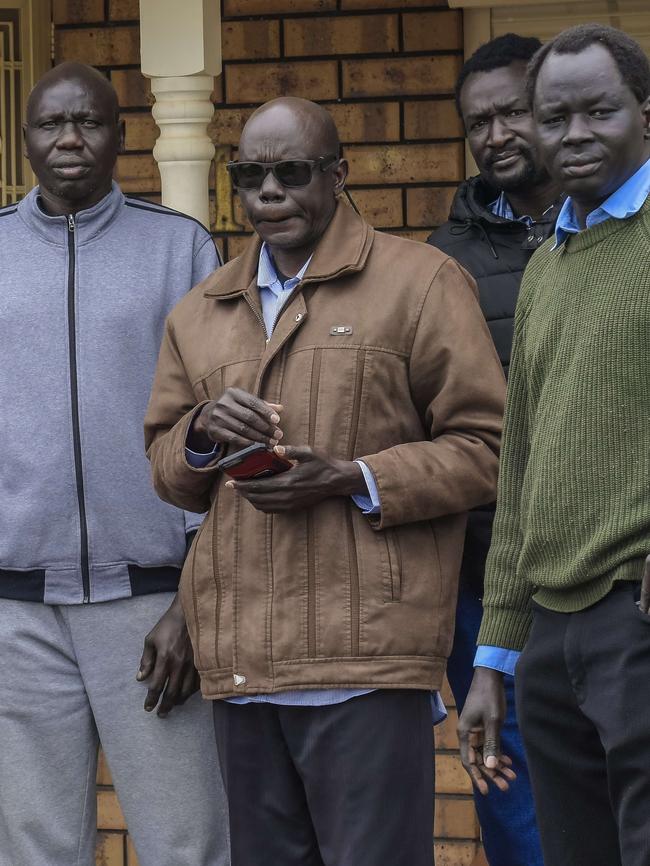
(502, 208)
(622, 204)
(267, 276)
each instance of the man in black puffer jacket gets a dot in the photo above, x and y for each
(497, 220)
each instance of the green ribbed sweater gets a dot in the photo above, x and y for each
(573, 508)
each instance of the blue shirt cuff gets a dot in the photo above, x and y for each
(369, 504)
(200, 461)
(497, 658)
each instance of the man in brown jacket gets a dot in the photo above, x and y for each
(320, 602)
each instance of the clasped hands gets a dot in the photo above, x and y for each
(239, 419)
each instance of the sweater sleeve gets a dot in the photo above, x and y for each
(206, 258)
(172, 407)
(458, 388)
(506, 601)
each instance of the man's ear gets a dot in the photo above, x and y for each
(645, 113)
(25, 153)
(121, 132)
(340, 176)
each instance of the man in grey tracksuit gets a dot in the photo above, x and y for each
(89, 556)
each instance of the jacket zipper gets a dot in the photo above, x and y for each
(278, 312)
(258, 317)
(74, 395)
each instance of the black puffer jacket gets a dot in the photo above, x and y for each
(495, 251)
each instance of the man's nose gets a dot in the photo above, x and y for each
(499, 133)
(577, 130)
(271, 188)
(70, 137)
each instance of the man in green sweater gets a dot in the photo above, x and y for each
(572, 527)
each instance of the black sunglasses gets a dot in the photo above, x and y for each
(288, 172)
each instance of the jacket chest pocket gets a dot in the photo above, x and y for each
(236, 375)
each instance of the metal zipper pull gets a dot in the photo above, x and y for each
(70, 223)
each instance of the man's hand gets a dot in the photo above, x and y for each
(314, 477)
(479, 732)
(237, 418)
(167, 662)
(644, 602)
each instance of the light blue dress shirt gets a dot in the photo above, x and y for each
(501, 207)
(622, 204)
(273, 295)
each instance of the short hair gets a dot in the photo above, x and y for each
(497, 54)
(627, 54)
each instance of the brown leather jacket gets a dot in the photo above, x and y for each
(327, 597)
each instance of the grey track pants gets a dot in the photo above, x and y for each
(67, 681)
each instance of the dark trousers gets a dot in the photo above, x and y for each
(583, 701)
(350, 784)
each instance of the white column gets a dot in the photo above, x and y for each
(181, 54)
(184, 151)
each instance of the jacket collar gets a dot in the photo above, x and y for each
(472, 202)
(89, 223)
(343, 249)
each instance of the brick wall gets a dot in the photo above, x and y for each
(385, 69)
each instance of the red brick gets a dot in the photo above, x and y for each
(141, 131)
(428, 206)
(446, 694)
(107, 46)
(124, 10)
(388, 4)
(380, 207)
(455, 819)
(131, 857)
(405, 163)
(262, 81)
(109, 813)
(360, 122)
(433, 31)
(445, 733)
(109, 850)
(434, 118)
(366, 121)
(227, 124)
(138, 174)
(400, 76)
(236, 245)
(217, 93)
(250, 40)
(268, 7)
(103, 773)
(133, 89)
(455, 853)
(354, 34)
(410, 234)
(450, 776)
(77, 11)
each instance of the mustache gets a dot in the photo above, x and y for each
(494, 158)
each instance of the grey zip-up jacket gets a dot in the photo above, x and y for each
(83, 301)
